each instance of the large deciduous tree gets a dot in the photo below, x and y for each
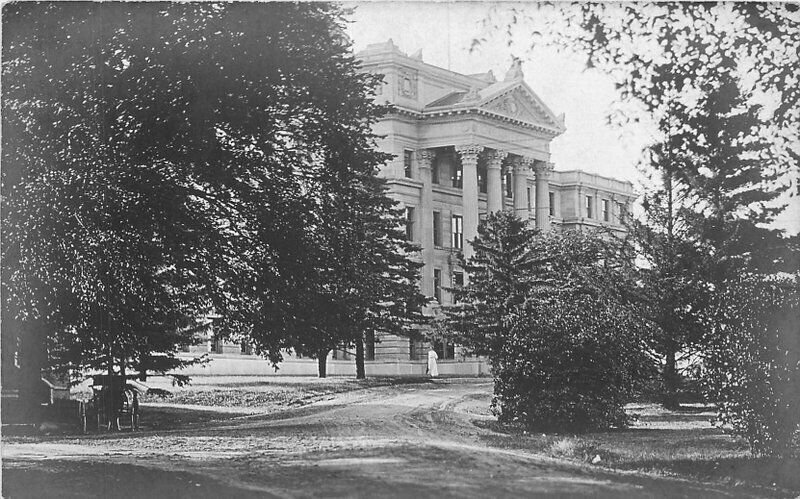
(162, 162)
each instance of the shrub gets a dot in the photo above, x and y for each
(550, 311)
(752, 365)
(570, 367)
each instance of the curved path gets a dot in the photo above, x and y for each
(423, 440)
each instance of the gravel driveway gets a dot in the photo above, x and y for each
(413, 440)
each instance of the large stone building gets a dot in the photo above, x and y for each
(468, 145)
(464, 146)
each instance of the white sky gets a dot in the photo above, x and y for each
(445, 30)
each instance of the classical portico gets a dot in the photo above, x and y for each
(526, 173)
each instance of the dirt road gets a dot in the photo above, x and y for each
(419, 440)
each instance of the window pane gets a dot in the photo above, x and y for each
(409, 224)
(457, 171)
(437, 228)
(437, 285)
(407, 162)
(457, 241)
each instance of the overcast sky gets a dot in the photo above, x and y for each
(445, 30)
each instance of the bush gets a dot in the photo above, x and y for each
(570, 368)
(752, 365)
(550, 310)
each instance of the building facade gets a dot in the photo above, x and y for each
(464, 146)
(468, 145)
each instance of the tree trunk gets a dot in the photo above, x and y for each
(670, 379)
(360, 372)
(322, 362)
(110, 394)
(33, 358)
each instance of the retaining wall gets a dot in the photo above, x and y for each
(246, 365)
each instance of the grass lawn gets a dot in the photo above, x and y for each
(213, 398)
(260, 392)
(675, 443)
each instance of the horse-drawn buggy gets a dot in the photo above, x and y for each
(114, 403)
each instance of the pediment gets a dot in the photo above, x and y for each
(523, 105)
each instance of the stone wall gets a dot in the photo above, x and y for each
(246, 365)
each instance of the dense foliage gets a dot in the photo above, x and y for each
(163, 163)
(719, 82)
(555, 314)
(672, 278)
(753, 360)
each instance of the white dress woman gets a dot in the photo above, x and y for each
(433, 369)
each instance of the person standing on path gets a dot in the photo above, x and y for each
(433, 369)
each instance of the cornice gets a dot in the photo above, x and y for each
(427, 115)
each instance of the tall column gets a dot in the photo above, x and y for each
(469, 194)
(543, 172)
(424, 159)
(494, 182)
(522, 170)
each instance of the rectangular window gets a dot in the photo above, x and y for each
(437, 228)
(623, 211)
(457, 232)
(409, 224)
(437, 285)
(444, 349)
(529, 198)
(508, 187)
(551, 196)
(482, 179)
(247, 349)
(216, 345)
(457, 173)
(415, 351)
(458, 279)
(407, 155)
(589, 203)
(606, 211)
(435, 169)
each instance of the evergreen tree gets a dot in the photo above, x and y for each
(500, 273)
(672, 278)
